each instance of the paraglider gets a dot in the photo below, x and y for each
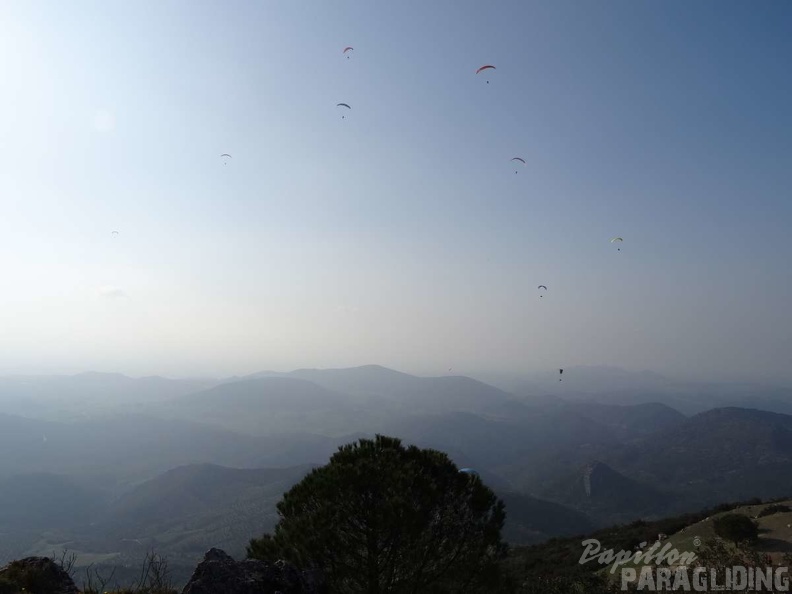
(486, 67)
(542, 287)
(114, 233)
(347, 49)
(225, 157)
(560, 373)
(343, 105)
(469, 471)
(520, 159)
(617, 239)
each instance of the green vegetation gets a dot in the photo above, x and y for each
(19, 576)
(736, 528)
(774, 509)
(43, 575)
(383, 518)
(557, 560)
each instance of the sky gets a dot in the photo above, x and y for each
(399, 234)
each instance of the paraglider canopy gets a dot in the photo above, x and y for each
(486, 67)
(470, 471)
(343, 105)
(114, 233)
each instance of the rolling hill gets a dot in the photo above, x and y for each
(43, 501)
(131, 448)
(721, 454)
(404, 392)
(271, 405)
(608, 496)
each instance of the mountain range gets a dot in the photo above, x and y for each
(110, 466)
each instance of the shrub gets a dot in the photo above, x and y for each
(774, 509)
(736, 528)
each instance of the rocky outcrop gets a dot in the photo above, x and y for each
(38, 574)
(218, 573)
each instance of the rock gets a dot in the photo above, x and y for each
(217, 555)
(39, 574)
(218, 573)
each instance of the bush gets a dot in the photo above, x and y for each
(774, 509)
(736, 528)
(35, 574)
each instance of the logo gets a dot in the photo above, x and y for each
(662, 568)
(666, 554)
(703, 579)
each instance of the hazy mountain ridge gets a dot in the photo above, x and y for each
(132, 448)
(78, 396)
(45, 501)
(615, 386)
(216, 500)
(735, 452)
(611, 497)
(630, 420)
(646, 458)
(270, 405)
(189, 509)
(720, 455)
(424, 394)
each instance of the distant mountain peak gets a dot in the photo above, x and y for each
(372, 368)
(101, 374)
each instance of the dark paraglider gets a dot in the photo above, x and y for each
(487, 67)
(343, 105)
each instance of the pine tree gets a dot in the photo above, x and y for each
(381, 518)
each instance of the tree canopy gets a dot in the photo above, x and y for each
(381, 517)
(736, 527)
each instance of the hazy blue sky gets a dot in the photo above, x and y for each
(399, 235)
